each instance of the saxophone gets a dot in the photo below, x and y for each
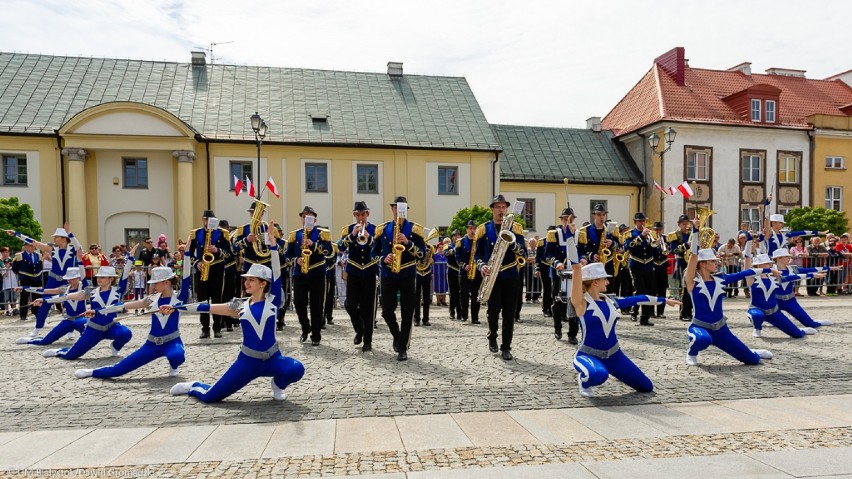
(396, 249)
(306, 252)
(207, 258)
(603, 252)
(471, 274)
(504, 239)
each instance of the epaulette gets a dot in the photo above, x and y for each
(672, 237)
(227, 234)
(458, 243)
(344, 231)
(551, 236)
(334, 248)
(417, 229)
(325, 235)
(196, 229)
(291, 238)
(582, 236)
(380, 229)
(480, 232)
(517, 229)
(19, 256)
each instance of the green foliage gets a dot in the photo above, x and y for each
(479, 214)
(819, 219)
(18, 217)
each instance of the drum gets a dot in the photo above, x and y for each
(564, 282)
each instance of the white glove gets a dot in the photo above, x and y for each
(235, 304)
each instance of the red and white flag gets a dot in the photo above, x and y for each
(250, 187)
(657, 186)
(238, 186)
(672, 190)
(685, 190)
(270, 185)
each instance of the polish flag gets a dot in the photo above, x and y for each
(270, 185)
(250, 187)
(685, 190)
(657, 186)
(238, 186)
(672, 190)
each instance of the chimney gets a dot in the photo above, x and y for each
(594, 123)
(674, 64)
(744, 67)
(395, 69)
(199, 59)
(786, 72)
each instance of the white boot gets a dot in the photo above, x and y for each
(174, 372)
(691, 360)
(277, 392)
(180, 388)
(763, 353)
(825, 322)
(809, 330)
(50, 353)
(83, 373)
(585, 392)
(23, 340)
(757, 333)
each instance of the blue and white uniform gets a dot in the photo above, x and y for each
(60, 261)
(765, 307)
(780, 240)
(786, 297)
(259, 352)
(72, 320)
(599, 353)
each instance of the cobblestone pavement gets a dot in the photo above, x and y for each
(450, 370)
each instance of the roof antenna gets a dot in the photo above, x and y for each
(209, 49)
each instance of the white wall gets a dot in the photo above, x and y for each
(440, 209)
(29, 194)
(128, 123)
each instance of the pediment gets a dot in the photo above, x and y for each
(126, 123)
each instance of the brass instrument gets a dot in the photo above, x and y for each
(504, 239)
(471, 274)
(261, 250)
(363, 238)
(306, 252)
(706, 235)
(207, 257)
(396, 249)
(603, 252)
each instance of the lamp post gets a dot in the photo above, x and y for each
(654, 140)
(259, 127)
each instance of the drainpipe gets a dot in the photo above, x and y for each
(494, 172)
(201, 138)
(61, 175)
(811, 149)
(644, 175)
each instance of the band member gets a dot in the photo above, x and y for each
(641, 264)
(597, 239)
(361, 270)
(776, 239)
(27, 264)
(308, 248)
(786, 296)
(72, 318)
(661, 267)
(470, 279)
(679, 244)
(543, 272)
(507, 286)
(66, 254)
(400, 244)
(204, 242)
(764, 304)
(453, 275)
(330, 284)
(620, 271)
(230, 288)
(559, 242)
(600, 355)
(259, 354)
(164, 337)
(423, 286)
(105, 302)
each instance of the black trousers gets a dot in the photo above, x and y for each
(685, 299)
(401, 332)
(643, 281)
(361, 305)
(310, 291)
(229, 290)
(563, 311)
(455, 303)
(547, 293)
(423, 296)
(211, 290)
(661, 281)
(469, 290)
(520, 302)
(26, 297)
(330, 288)
(503, 302)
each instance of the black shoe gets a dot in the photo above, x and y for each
(507, 355)
(572, 340)
(217, 334)
(475, 321)
(452, 316)
(645, 322)
(315, 342)
(661, 316)
(323, 325)
(366, 348)
(204, 335)
(463, 319)
(492, 345)
(557, 335)
(330, 321)
(229, 328)
(633, 317)
(426, 322)
(358, 338)
(279, 327)
(519, 320)
(402, 356)
(684, 318)
(395, 347)
(417, 321)
(547, 314)
(303, 337)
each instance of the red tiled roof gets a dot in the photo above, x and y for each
(657, 97)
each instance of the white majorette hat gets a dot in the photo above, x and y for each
(72, 273)
(706, 254)
(161, 273)
(780, 253)
(594, 271)
(106, 272)
(259, 271)
(776, 217)
(60, 232)
(762, 259)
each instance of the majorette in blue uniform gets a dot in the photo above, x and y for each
(259, 354)
(786, 296)
(72, 311)
(764, 304)
(776, 239)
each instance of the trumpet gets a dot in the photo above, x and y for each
(363, 236)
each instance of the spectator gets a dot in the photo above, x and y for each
(163, 247)
(93, 260)
(797, 252)
(817, 254)
(147, 253)
(844, 247)
(834, 280)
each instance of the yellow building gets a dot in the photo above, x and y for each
(832, 148)
(125, 148)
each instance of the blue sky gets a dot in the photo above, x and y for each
(545, 63)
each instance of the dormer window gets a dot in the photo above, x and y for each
(755, 110)
(770, 111)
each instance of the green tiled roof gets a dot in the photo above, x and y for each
(39, 93)
(551, 154)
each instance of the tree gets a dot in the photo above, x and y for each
(18, 217)
(819, 219)
(479, 214)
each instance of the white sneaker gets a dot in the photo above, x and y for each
(691, 360)
(174, 372)
(809, 330)
(757, 333)
(35, 332)
(115, 352)
(825, 322)
(180, 388)
(277, 392)
(83, 373)
(585, 392)
(23, 340)
(763, 353)
(50, 353)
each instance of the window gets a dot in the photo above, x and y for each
(14, 170)
(751, 168)
(242, 170)
(368, 178)
(316, 177)
(751, 216)
(134, 236)
(834, 198)
(788, 169)
(528, 213)
(697, 165)
(834, 163)
(447, 180)
(135, 173)
(755, 110)
(770, 111)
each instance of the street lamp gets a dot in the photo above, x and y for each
(654, 141)
(259, 127)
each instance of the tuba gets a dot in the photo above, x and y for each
(504, 239)
(706, 235)
(261, 250)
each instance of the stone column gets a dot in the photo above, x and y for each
(77, 192)
(183, 186)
